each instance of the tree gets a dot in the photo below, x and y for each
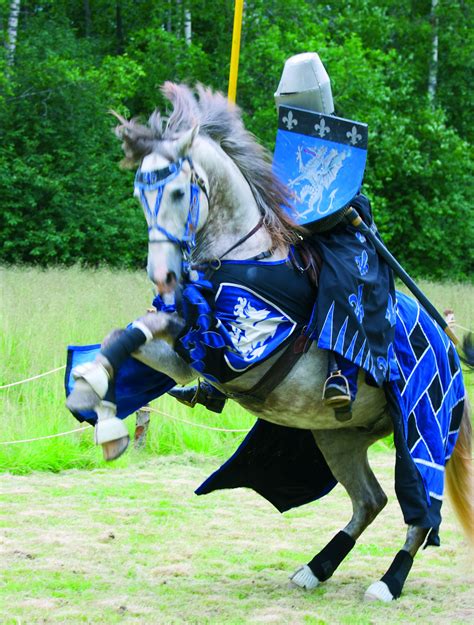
(59, 183)
(12, 30)
(433, 70)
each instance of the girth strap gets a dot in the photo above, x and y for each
(298, 346)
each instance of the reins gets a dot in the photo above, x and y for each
(214, 264)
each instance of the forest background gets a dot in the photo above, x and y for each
(405, 67)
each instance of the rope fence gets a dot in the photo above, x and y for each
(156, 410)
(198, 425)
(457, 325)
(161, 412)
(42, 438)
(35, 377)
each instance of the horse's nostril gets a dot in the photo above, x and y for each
(170, 277)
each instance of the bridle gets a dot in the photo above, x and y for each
(157, 180)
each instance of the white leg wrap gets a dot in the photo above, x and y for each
(108, 428)
(378, 591)
(96, 376)
(304, 578)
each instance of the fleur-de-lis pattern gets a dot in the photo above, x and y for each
(362, 263)
(290, 120)
(321, 128)
(354, 136)
(382, 365)
(356, 302)
(353, 298)
(360, 236)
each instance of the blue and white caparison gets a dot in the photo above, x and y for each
(255, 327)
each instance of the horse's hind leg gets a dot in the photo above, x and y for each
(390, 586)
(345, 451)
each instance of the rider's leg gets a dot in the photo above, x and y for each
(202, 393)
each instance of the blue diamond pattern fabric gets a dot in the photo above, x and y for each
(430, 392)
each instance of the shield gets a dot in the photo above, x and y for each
(321, 158)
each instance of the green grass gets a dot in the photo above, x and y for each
(135, 546)
(44, 311)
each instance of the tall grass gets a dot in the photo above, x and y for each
(44, 311)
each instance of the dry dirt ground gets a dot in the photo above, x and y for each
(135, 545)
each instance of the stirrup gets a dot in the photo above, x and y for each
(336, 391)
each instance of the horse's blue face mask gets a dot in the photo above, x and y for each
(156, 181)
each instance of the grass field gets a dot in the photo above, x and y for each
(44, 311)
(136, 546)
(129, 543)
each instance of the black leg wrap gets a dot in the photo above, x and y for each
(121, 348)
(398, 572)
(326, 562)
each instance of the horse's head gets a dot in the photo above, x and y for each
(203, 144)
(172, 190)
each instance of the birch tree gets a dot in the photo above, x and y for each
(12, 30)
(433, 68)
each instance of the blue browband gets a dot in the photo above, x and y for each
(156, 181)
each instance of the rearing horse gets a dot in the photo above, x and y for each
(209, 195)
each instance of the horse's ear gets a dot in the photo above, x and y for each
(185, 142)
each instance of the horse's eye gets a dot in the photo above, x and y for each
(177, 195)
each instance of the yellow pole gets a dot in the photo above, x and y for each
(234, 59)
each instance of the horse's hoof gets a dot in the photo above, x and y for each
(82, 397)
(114, 449)
(304, 578)
(378, 591)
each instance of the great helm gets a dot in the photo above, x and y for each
(305, 84)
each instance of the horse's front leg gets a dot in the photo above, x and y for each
(133, 340)
(93, 381)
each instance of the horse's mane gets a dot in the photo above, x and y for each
(221, 121)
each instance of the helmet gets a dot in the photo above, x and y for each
(305, 84)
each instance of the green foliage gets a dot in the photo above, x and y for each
(64, 199)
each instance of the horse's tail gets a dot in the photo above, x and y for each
(459, 475)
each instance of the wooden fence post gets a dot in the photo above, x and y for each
(141, 427)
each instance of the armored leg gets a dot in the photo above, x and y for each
(203, 393)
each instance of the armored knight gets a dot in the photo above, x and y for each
(355, 310)
(319, 156)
